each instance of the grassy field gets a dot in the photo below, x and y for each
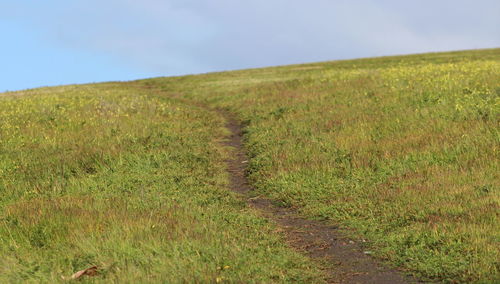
(402, 150)
(132, 182)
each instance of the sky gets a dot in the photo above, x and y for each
(54, 42)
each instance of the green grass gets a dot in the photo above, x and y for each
(135, 183)
(405, 150)
(402, 150)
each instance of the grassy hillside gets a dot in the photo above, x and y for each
(402, 150)
(132, 182)
(405, 150)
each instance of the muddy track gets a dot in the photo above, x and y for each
(345, 259)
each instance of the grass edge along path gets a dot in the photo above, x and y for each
(344, 259)
(341, 259)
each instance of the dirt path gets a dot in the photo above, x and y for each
(347, 261)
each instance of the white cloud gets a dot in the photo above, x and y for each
(205, 35)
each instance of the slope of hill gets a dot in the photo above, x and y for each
(133, 183)
(401, 151)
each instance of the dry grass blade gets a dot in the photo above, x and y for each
(91, 271)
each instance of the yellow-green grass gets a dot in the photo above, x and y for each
(405, 150)
(129, 181)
